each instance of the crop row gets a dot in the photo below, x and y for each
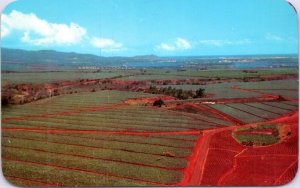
(54, 175)
(137, 156)
(255, 112)
(33, 146)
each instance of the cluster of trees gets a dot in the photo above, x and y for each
(158, 103)
(178, 93)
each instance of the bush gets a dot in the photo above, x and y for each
(178, 93)
(199, 93)
(158, 103)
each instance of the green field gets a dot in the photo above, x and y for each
(156, 74)
(95, 158)
(285, 88)
(251, 138)
(96, 139)
(256, 112)
(220, 90)
(49, 77)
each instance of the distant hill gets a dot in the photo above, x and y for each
(15, 59)
(45, 58)
(48, 60)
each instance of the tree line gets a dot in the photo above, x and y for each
(177, 93)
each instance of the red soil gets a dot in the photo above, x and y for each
(228, 163)
(213, 162)
(193, 165)
(257, 170)
(288, 174)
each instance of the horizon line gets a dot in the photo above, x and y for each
(219, 55)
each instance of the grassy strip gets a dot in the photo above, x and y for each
(243, 116)
(38, 77)
(147, 122)
(261, 113)
(27, 182)
(291, 103)
(122, 138)
(76, 126)
(207, 119)
(257, 139)
(282, 105)
(140, 148)
(53, 175)
(269, 108)
(105, 124)
(160, 118)
(102, 154)
(93, 165)
(115, 123)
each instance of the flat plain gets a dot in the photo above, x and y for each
(89, 135)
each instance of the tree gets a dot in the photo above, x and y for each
(199, 93)
(158, 103)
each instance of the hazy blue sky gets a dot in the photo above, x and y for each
(161, 27)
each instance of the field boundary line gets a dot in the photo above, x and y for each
(266, 103)
(85, 171)
(94, 147)
(115, 140)
(262, 109)
(236, 108)
(154, 136)
(231, 170)
(290, 166)
(32, 181)
(279, 155)
(223, 149)
(90, 157)
(64, 113)
(194, 117)
(49, 131)
(227, 116)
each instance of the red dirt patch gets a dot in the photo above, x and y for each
(225, 162)
(217, 164)
(257, 170)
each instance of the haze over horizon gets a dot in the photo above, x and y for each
(143, 27)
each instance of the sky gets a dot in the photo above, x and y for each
(159, 27)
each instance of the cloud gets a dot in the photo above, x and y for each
(182, 44)
(167, 47)
(220, 43)
(273, 37)
(107, 45)
(178, 44)
(37, 31)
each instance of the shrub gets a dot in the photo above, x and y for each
(199, 93)
(158, 103)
